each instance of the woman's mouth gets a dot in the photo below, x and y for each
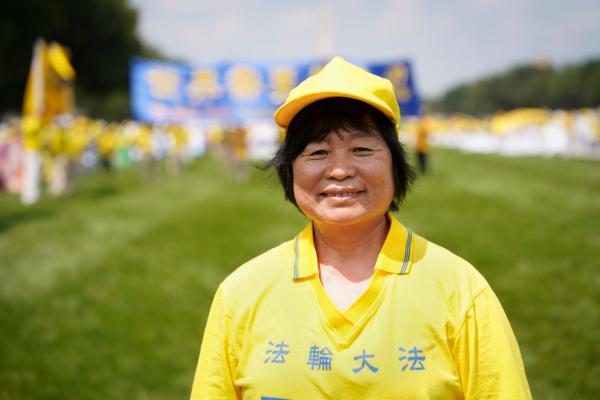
(343, 194)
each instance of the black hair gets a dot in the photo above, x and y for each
(317, 120)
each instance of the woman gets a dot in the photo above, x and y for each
(356, 306)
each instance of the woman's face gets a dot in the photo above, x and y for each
(345, 179)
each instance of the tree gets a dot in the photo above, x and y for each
(531, 85)
(101, 35)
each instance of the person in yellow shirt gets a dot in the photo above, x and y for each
(58, 147)
(422, 145)
(143, 141)
(238, 153)
(356, 306)
(106, 144)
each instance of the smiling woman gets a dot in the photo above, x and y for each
(344, 179)
(356, 306)
(345, 176)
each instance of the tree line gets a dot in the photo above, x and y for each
(531, 85)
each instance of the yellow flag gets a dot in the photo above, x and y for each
(59, 61)
(33, 103)
(34, 100)
(49, 89)
(58, 82)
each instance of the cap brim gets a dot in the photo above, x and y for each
(284, 114)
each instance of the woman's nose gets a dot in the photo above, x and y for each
(341, 167)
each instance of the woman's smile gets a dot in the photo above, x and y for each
(342, 193)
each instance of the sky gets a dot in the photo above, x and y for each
(448, 42)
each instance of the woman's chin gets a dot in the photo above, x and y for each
(347, 216)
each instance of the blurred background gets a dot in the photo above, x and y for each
(131, 132)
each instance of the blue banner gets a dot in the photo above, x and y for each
(401, 75)
(167, 92)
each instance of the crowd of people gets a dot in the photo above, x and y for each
(530, 131)
(58, 153)
(68, 147)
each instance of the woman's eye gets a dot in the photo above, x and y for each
(317, 153)
(362, 150)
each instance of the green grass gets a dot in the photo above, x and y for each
(103, 294)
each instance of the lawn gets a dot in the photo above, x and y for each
(103, 294)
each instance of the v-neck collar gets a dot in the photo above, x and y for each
(394, 258)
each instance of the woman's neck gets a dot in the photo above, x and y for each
(351, 251)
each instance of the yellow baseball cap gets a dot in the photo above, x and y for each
(339, 78)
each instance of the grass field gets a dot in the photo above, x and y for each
(103, 295)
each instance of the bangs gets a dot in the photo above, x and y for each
(317, 120)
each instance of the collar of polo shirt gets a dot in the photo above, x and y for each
(394, 257)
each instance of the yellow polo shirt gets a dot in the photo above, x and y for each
(428, 327)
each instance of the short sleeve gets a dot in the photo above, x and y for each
(216, 364)
(487, 354)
